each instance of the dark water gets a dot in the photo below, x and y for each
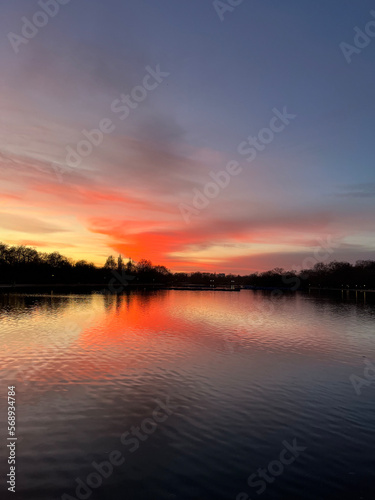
(244, 377)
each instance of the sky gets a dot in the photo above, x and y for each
(179, 89)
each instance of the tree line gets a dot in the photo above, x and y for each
(25, 265)
(333, 274)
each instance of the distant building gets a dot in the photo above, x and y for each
(221, 275)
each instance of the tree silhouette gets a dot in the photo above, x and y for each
(120, 264)
(25, 265)
(110, 263)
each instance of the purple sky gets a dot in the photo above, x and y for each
(182, 92)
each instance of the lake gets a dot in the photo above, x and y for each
(190, 395)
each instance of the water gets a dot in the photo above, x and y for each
(243, 373)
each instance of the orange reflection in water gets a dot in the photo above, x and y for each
(88, 338)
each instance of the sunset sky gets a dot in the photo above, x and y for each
(314, 180)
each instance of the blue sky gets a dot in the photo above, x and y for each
(225, 78)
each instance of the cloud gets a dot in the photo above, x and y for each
(26, 224)
(124, 197)
(41, 244)
(358, 191)
(164, 242)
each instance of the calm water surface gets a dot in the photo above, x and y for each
(243, 374)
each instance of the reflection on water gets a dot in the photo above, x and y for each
(244, 373)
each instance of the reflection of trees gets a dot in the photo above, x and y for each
(145, 297)
(14, 304)
(142, 297)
